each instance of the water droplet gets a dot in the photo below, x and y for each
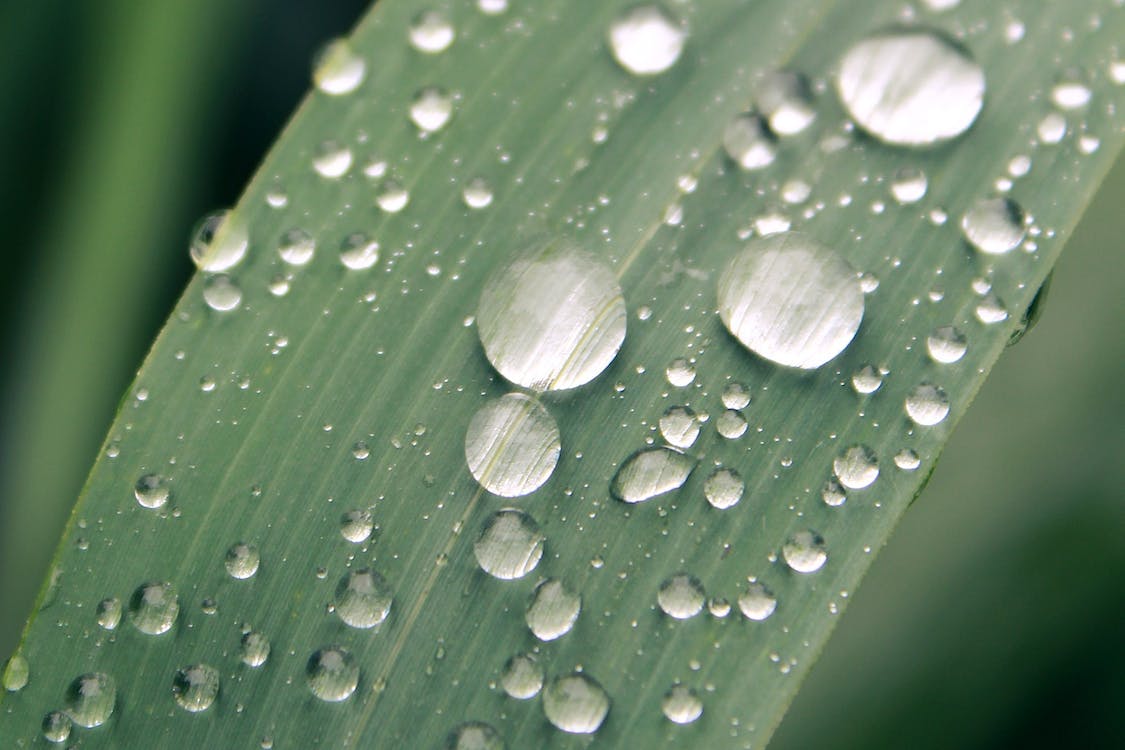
(946, 345)
(911, 87)
(909, 185)
(221, 293)
(866, 380)
(1070, 94)
(785, 98)
(681, 705)
(359, 252)
(679, 427)
(474, 735)
(510, 544)
(749, 143)
(218, 242)
(791, 300)
(805, 552)
(56, 726)
(477, 193)
(718, 607)
(15, 674)
(575, 703)
(994, 225)
(296, 247)
(795, 191)
(242, 560)
(680, 373)
(646, 40)
(522, 677)
(151, 491)
(650, 472)
(553, 610)
(757, 602)
(1052, 128)
(254, 649)
(195, 687)
(332, 160)
(512, 445)
(431, 32)
(832, 493)
(337, 69)
(431, 109)
(108, 613)
(724, 488)
(492, 7)
(731, 424)
(356, 526)
(927, 404)
(332, 674)
(393, 197)
(856, 467)
(153, 607)
(736, 396)
(90, 699)
(363, 599)
(991, 309)
(907, 460)
(681, 596)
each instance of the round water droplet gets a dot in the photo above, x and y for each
(718, 607)
(791, 300)
(218, 242)
(991, 309)
(909, 185)
(749, 143)
(757, 602)
(910, 87)
(15, 675)
(477, 193)
(736, 396)
(90, 699)
(254, 649)
(679, 427)
(866, 380)
(296, 247)
(431, 32)
(522, 677)
(681, 705)
(857, 467)
(927, 404)
(195, 687)
(363, 599)
(1052, 128)
(731, 424)
(724, 488)
(56, 726)
(356, 526)
(553, 610)
(946, 345)
(337, 69)
(510, 544)
(512, 445)
(242, 560)
(805, 552)
(392, 197)
(680, 373)
(575, 703)
(332, 674)
(109, 613)
(332, 160)
(650, 472)
(907, 460)
(1071, 94)
(786, 100)
(474, 735)
(153, 607)
(832, 493)
(681, 596)
(646, 40)
(359, 252)
(994, 226)
(553, 318)
(151, 491)
(431, 109)
(221, 293)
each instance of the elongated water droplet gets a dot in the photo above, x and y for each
(337, 69)
(681, 596)
(219, 242)
(646, 40)
(946, 345)
(242, 560)
(1071, 93)
(15, 674)
(510, 544)
(575, 703)
(757, 602)
(994, 226)
(431, 32)
(90, 699)
(857, 467)
(681, 705)
(805, 552)
(724, 488)
(363, 599)
(254, 649)
(553, 610)
(512, 445)
(332, 674)
(749, 143)
(431, 109)
(650, 472)
(522, 677)
(791, 300)
(196, 687)
(927, 404)
(151, 491)
(153, 607)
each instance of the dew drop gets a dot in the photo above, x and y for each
(337, 69)
(946, 345)
(242, 560)
(832, 493)
(56, 726)
(718, 607)
(994, 226)
(153, 607)
(512, 445)
(509, 545)
(867, 380)
(108, 613)
(927, 404)
(575, 703)
(757, 602)
(1070, 94)
(909, 185)
(736, 396)
(195, 687)
(392, 197)
(786, 100)
(15, 674)
(749, 143)
(731, 424)
(646, 40)
(474, 735)
(332, 160)
(522, 677)
(650, 472)
(680, 373)
(90, 699)
(907, 460)
(254, 649)
(679, 426)
(804, 552)
(724, 488)
(332, 674)
(221, 293)
(492, 7)
(356, 526)
(1052, 128)
(363, 599)
(681, 705)
(218, 242)
(359, 252)
(991, 309)
(151, 491)
(553, 610)
(856, 467)
(477, 193)
(431, 32)
(296, 247)
(431, 109)
(681, 596)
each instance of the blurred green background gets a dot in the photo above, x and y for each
(995, 616)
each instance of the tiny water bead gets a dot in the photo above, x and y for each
(866, 380)
(724, 488)
(909, 185)
(219, 242)
(242, 560)
(650, 472)
(108, 613)
(681, 596)
(522, 677)
(254, 649)
(363, 599)
(785, 98)
(804, 552)
(646, 40)
(757, 602)
(552, 318)
(90, 699)
(221, 293)
(679, 426)
(736, 396)
(946, 345)
(911, 87)
(332, 160)
(477, 193)
(431, 32)
(358, 252)
(195, 687)
(431, 109)
(731, 424)
(356, 526)
(296, 247)
(907, 460)
(332, 674)
(553, 610)
(15, 674)
(749, 143)
(151, 491)
(791, 300)
(994, 226)
(681, 705)
(927, 404)
(856, 467)
(474, 735)
(338, 69)
(575, 703)
(153, 607)
(509, 545)
(56, 726)
(512, 445)
(680, 373)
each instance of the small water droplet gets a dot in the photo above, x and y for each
(431, 109)
(650, 472)
(332, 160)
(724, 488)
(991, 309)
(218, 242)
(359, 252)
(332, 674)
(392, 197)
(1052, 128)
(431, 32)
(254, 649)
(56, 726)
(866, 380)
(553, 610)
(909, 185)
(757, 602)
(296, 247)
(242, 560)
(681, 705)
(221, 293)
(363, 599)
(946, 345)
(749, 143)
(646, 40)
(337, 69)
(832, 493)
(477, 193)
(90, 699)
(994, 226)
(153, 607)
(151, 491)
(736, 396)
(108, 613)
(492, 7)
(575, 703)
(510, 544)
(512, 445)
(1071, 94)
(356, 526)
(522, 677)
(907, 460)
(927, 404)
(679, 426)
(731, 424)
(805, 552)
(474, 735)
(785, 98)
(680, 373)
(195, 687)
(856, 467)
(681, 596)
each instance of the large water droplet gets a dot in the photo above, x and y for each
(242, 560)
(151, 491)
(650, 472)
(522, 677)
(431, 109)
(512, 445)
(681, 705)
(553, 318)
(575, 703)
(195, 687)
(805, 552)
(757, 602)
(153, 607)
(791, 300)
(337, 69)
(356, 525)
(857, 467)
(911, 87)
(681, 596)
(724, 488)
(510, 544)
(553, 610)
(679, 426)
(927, 404)
(474, 735)
(646, 40)
(363, 599)
(332, 674)
(994, 225)
(749, 143)
(218, 242)
(90, 699)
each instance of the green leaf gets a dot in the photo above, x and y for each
(252, 419)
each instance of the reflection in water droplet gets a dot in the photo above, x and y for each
(109, 613)
(296, 247)
(510, 544)
(56, 726)
(153, 607)
(646, 40)
(363, 599)
(337, 69)
(994, 225)
(431, 32)
(90, 699)
(221, 293)
(242, 560)
(477, 193)
(356, 525)
(681, 705)
(575, 703)
(909, 185)
(151, 491)
(681, 596)
(650, 472)
(910, 87)
(332, 674)
(927, 404)
(553, 610)
(679, 427)
(857, 467)
(805, 552)
(749, 143)
(552, 318)
(254, 649)
(785, 98)
(359, 252)
(724, 488)
(791, 300)
(218, 242)
(474, 735)
(195, 687)
(512, 445)
(757, 602)
(431, 109)
(522, 677)
(946, 345)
